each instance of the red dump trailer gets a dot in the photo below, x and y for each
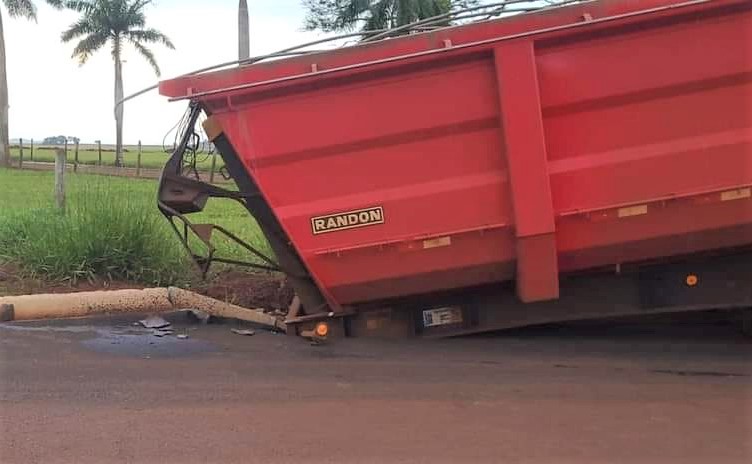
(583, 161)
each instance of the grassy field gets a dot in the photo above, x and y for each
(111, 229)
(151, 158)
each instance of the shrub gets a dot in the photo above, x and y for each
(110, 232)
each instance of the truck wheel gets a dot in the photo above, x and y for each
(747, 322)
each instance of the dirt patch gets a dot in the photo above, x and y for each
(252, 290)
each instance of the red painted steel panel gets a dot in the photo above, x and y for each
(635, 144)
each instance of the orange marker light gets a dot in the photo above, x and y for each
(322, 329)
(692, 280)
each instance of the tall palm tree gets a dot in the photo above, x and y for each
(117, 23)
(23, 9)
(244, 33)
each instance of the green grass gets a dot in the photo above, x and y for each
(150, 158)
(111, 229)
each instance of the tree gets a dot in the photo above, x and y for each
(346, 15)
(23, 9)
(117, 23)
(55, 140)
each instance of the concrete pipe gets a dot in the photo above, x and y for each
(149, 300)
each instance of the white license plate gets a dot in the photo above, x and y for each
(441, 316)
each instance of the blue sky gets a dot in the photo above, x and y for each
(51, 95)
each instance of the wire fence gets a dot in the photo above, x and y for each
(139, 161)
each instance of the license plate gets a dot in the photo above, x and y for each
(441, 316)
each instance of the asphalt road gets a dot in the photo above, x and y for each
(103, 391)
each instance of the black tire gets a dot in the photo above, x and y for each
(747, 322)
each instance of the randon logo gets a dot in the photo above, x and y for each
(347, 220)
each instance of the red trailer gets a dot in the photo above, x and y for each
(583, 161)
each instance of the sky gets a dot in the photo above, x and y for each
(50, 94)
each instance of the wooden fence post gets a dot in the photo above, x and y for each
(32, 150)
(20, 153)
(213, 167)
(138, 161)
(60, 160)
(66, 150)
(99, 149)
(75, 158)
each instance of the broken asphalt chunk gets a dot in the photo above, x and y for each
(246, 332)
(154, 322)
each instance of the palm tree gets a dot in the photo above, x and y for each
(244, 37)
(117, 23)
(339, 15)
(23, 9)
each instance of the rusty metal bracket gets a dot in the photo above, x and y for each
(204, 233)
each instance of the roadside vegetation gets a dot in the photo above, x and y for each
(111, 230)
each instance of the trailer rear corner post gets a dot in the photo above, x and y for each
(180, 196)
